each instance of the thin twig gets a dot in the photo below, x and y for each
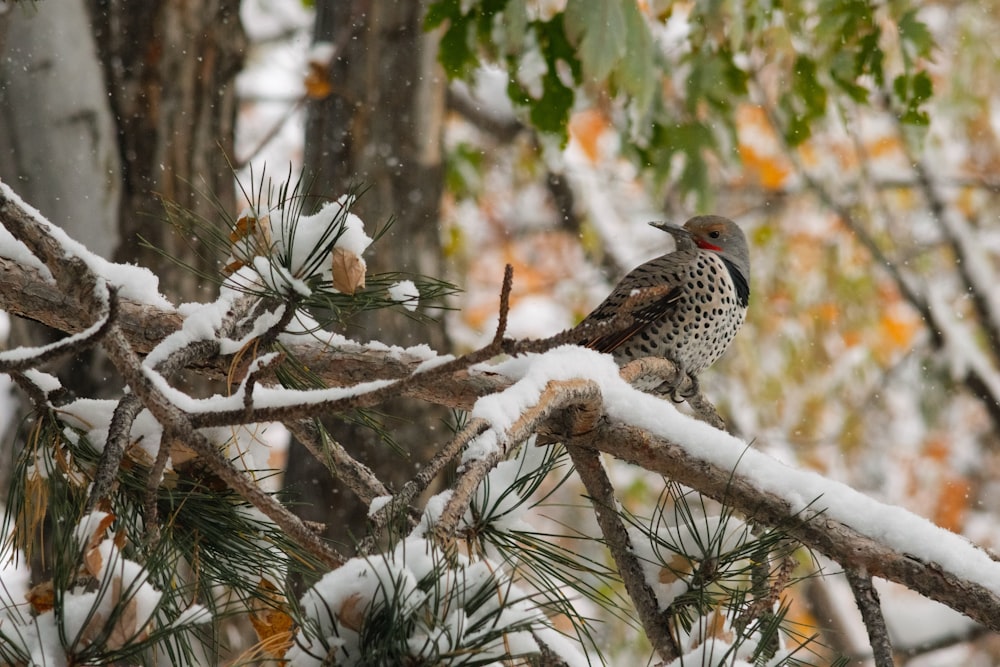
(24, 358)
(152, 491)
(866, 597)
(554, 397)
(655, 622)
(413, 488)
(293, 411)
(508, 281)
(35, 393)
(358, 477)
(115, 445)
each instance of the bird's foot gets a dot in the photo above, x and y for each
(683, 390)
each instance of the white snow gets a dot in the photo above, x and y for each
(406, 293)
(899, 529)
(446, 616)
(377, 504)
(133, 282)
(13, 249)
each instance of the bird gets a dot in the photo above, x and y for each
(686, 306)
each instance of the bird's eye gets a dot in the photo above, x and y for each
(715, 233)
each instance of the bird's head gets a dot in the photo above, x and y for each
(713, 233)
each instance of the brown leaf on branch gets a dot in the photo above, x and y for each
(271, 620)
(348, 271)
(41, 597)
(251, 236)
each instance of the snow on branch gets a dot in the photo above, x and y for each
(551, 387)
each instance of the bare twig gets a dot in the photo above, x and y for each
(554, 397)
(114, 448)
(358, 477)
(413, 488)
(38, 397)
(152, 491)
(508, 281)
(871, 612)
(25, 358)
(655, 622)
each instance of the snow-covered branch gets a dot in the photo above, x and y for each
(563, 392)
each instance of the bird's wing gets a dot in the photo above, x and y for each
(642, 316)
(649, 293)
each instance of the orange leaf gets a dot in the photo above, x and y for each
(587, 127)
(98, 535)
(953, 503)
(93, 562)
(42, 596)
(271, 621)
(317, 81)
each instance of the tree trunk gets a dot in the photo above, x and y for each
(380, 129)
(58, 148)
(170, 67)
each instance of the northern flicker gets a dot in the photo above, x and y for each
(698, 301)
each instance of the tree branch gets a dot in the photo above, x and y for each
(812, 527)
(655, 621)
(866, 597)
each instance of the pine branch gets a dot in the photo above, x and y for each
(67, 301)
(73, 275)
(655, 622)
(867, 600)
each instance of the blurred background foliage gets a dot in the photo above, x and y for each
(854, 141)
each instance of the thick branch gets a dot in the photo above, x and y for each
(812, 527)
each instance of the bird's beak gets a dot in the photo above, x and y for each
(674, 230)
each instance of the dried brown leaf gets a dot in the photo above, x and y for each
(348, 271)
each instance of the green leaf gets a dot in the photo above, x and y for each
(922, 86)
(806, 85)
(916, 37)
(693, 139)
(635, 72)
(441, 11)
(598, 28)
(870, 57)
(913, 91)
(843, 71)
(901, 87)
(843, 21)
(456, 52)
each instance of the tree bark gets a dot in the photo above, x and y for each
(379, 130)
(58, 148)
(170, 67)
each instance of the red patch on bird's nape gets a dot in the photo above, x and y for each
(705, 245)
